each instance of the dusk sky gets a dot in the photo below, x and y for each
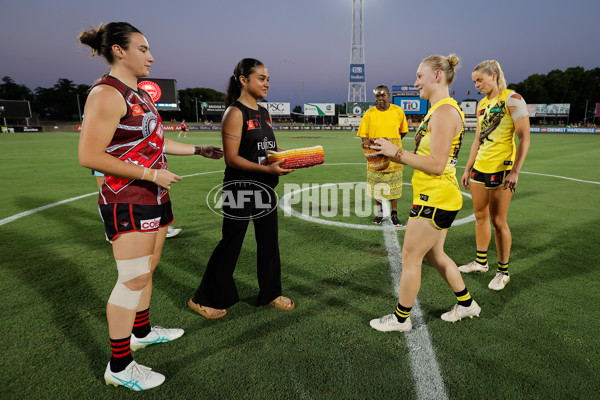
(305, 44)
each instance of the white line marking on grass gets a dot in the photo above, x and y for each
(553, 176)
(286, 207)
(561, 177)
(424, 366)
(47, 206)
(29, 212)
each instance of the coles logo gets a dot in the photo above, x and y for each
(148, 224)
(152, 88)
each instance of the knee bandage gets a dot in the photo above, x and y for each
(520, 106)
(121, 295)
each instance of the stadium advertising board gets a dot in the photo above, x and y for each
(405, 91)
(357, 72)
(162, 91)
(564, 130)
(214, 108)
(412, 105)
(470, 122)
(358, 107)
(319, 109)
(13, 129)
(277, 109)
(469, 108)
(349, 121)
(552, 110)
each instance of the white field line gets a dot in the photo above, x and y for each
(47, 206)
(32, 211)
(424, 366)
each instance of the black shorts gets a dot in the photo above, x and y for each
(491, 181)
(442, 219)
(123, 218)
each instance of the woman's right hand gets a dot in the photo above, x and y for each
(275, 168)
(464, 181)
(164, 178)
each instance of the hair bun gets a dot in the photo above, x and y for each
(91, 38)
(453, 61)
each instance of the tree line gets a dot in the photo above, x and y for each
(575, 86)
(65, 100)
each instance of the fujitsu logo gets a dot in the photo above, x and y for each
(266, 144)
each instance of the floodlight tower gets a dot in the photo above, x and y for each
(357, 87)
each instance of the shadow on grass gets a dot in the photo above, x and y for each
(46, 267)
(547, 260)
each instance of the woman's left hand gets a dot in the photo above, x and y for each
(510, 182)
(212, 152)
(385, 147)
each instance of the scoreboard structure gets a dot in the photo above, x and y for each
(163, 92)
(407, 97)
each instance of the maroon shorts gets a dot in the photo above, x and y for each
(123, 218)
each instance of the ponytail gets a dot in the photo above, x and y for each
(234, 90)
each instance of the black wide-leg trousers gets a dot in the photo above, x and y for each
(242, 202)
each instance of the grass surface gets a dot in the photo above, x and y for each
(538, 338)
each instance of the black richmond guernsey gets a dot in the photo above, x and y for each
(257, 138)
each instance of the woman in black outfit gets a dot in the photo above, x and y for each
(247, 135)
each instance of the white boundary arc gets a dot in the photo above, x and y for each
(286, 207)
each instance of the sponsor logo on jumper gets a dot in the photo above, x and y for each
(139, 109)
(253, 124)
(150, 224)
(424, 197)
(266, 144)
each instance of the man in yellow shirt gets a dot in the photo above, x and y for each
(385, 120)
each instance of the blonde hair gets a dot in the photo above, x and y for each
(491, 67)
(448, 65)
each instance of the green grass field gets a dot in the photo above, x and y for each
(537, 339)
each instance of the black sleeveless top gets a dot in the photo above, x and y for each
(257, 138)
